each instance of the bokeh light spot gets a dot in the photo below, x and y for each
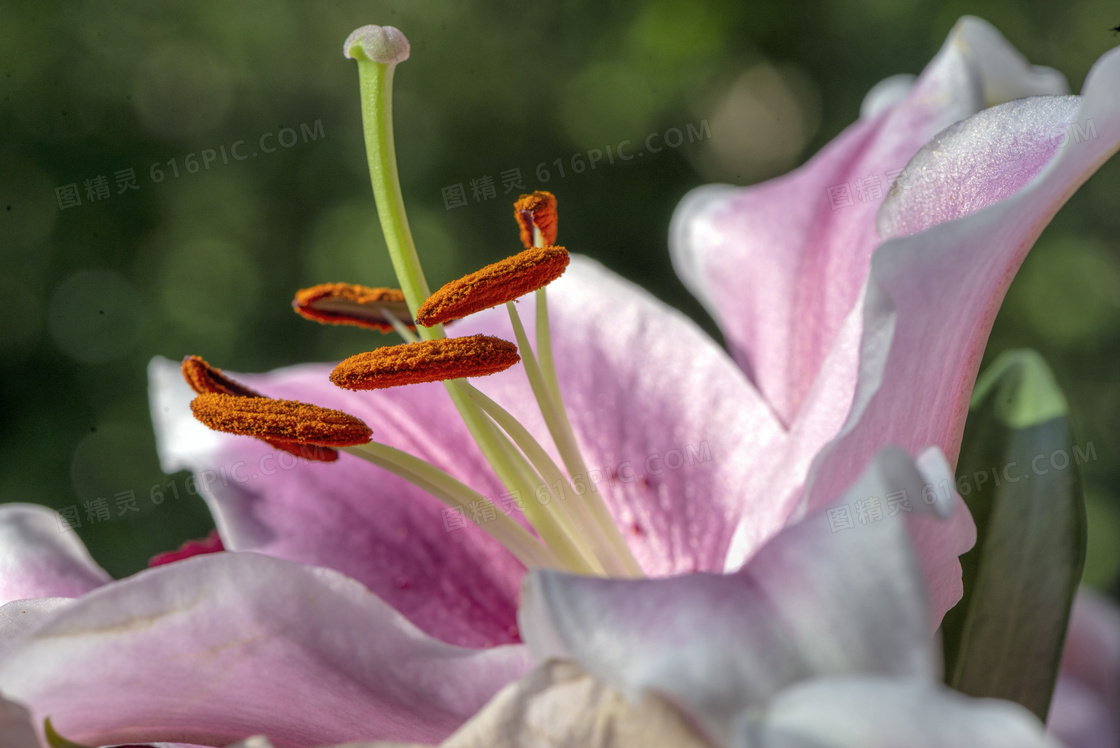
(95, 316)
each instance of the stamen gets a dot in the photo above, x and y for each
(425, 361)
(286, 420)
(348, 304)
(537, 210)
(528, 550)
(204, 378)
(559, 428)
(408, 332)
(582, 529)
(494, 284)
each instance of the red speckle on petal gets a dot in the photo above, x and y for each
(514, 633)
(404, 583)
(637, 529)
(210, 544)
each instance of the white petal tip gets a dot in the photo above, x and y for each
(937, 474)
(885, 94)
(181, 441)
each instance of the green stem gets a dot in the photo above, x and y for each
(376, 81)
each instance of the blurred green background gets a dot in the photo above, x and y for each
(206, 262)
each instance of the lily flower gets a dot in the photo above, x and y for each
(390, 590)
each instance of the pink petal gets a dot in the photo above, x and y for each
(1092, 650)
(778, 267)
(1084, 712)
(1081, 717)
(677, 441)
(861, 712)
(932, 295)
(15, 726)
(215, 648)
(19, 617)
(39, 559)
(812, 602)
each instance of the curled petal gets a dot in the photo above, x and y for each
(932, 295)
(780, 265)
(812, 602)
(222, 645)
(41, 557)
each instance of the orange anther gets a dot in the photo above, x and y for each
(348, 304)
(202, 377)
(495, 284)
(425, 361)
(539, 210)
(285, 420)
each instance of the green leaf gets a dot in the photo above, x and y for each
(1018, 474)
(54, 740)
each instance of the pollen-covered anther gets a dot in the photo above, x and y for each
(426, 361)
(495, 284)
(536, 210)
(284, 420)
(204, 378)
(348, 304)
